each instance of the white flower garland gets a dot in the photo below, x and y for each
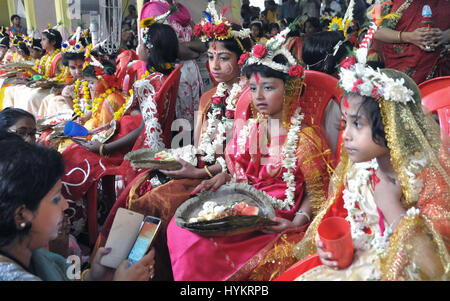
(289, 156)
(215, 133)
(360, 182)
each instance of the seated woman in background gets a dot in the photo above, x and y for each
(323, 51)
(286, 160)
(32, 210)
(20, 122)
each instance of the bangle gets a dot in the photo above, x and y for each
(304, 214)
(100, 151)
(208, 172)
(83, 275)
(400, 37)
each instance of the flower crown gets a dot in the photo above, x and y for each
(214, 27)
(147, 22)
(356, 77)
(74, 44)
(264, 55)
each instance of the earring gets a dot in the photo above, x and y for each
(23, 225)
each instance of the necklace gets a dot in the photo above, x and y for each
(48, 63)
(289, 161)
(81, 106)
(220, 118)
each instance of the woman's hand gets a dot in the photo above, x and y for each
(439, 37)
(325, 256)
(421, 37)
(99, 272)
(143, 270)
(212, 184)
(187, 171)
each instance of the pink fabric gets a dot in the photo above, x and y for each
(225, 255)
(157, 8)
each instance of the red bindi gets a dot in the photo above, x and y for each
(346, 105)
(257, 78)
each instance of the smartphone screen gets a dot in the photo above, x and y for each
(144, 239)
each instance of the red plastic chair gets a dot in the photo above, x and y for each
(320, 89)
(436, 99)
(165, 98)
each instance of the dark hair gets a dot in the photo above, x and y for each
(266, 71)
(318, 50)
(274, 25)
(10, 116)
(23, 47)
(371, 110)
(4, 41)
(89, 71)
(232, 45)
(37, 44)
(15, 16)
(315, 22)
(165, 47)
(27, 173)
(71, 56)
(53, 36)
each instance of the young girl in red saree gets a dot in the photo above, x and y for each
(287, 161)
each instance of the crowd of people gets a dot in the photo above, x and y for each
(374, 158)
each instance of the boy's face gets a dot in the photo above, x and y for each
(357, 133)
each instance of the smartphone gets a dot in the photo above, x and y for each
(125, 228)
(150, 228)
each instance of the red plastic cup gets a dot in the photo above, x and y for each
(335, 234)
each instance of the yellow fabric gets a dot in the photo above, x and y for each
(11, 7)
(62, 14)
(30, 15)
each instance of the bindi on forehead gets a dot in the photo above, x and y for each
(256, 78)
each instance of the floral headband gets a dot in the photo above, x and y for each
(215, 27)
(264, 55)
(147, 22)
(356, 77)
(74, 44)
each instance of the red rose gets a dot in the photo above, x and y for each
(296, 71)
(198, 30)
(348, 62)
(259, 51)
(243, 58)
(358, 82)
(221, 30)
(208, 29)
(72, 42)
(375, 93)
(229, 114)
(217, 100)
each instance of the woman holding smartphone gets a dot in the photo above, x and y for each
(32, 210)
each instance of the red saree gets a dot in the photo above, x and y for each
(409, 58)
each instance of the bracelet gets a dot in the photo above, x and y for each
(400, 37)
(304, 214)
(208, 172)
(83, 274)
(100, 151)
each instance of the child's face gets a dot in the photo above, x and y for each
(255, 31)
(267, 95)
(357, 134)
(76, 68)
(35, 54)
(223, 63)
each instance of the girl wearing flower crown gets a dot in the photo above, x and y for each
(274, 153)
(49, 68)
(391, 185)
(138, 123)
(159, 193)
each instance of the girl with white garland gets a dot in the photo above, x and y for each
(391, 185)
(159, 193)
(275, 153)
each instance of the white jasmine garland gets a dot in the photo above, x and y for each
(215, 133)
(289, 156)
(352, 195)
